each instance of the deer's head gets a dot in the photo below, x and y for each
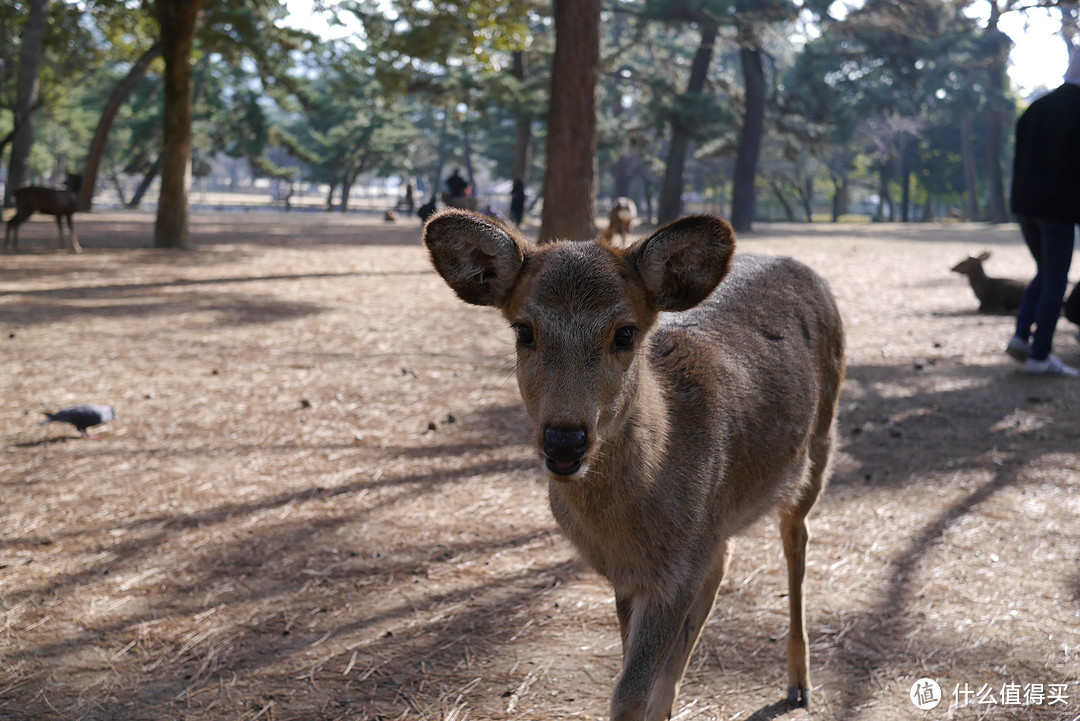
(581, 313)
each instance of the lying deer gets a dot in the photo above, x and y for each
(996, 295)
(620, 219)
(664, 434)
(61, 203)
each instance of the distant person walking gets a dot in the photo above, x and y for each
(517, 201)
(1046, 200)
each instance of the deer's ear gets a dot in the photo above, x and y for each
(682, 263)
(983, 255)
(477, 257)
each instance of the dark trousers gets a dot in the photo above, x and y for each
(1051, 245)
(1072, 305)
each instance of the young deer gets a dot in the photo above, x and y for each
(664, 434)
(621, 218)
(61, 203)
(996, 295)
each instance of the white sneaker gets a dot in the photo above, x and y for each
(1018, 349)
(1052, 367)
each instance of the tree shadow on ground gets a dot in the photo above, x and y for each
(948, 405)
(260, 586)
(985, 411)
(992, 235)
(226, 309)
(277, 617)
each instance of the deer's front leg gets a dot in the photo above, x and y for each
(651, 631)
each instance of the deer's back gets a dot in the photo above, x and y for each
(746, 373)
(45, 200)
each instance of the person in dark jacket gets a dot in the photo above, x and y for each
(456, 184)
(517, 201)
(1046, 200)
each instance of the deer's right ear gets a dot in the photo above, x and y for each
(477, 257)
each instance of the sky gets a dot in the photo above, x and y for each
(1038, 59)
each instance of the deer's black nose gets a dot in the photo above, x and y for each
(564, 449)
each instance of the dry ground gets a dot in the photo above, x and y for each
(319, 499)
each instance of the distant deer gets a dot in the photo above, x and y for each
(996, 295)
(664, 435)
(61, 203)
(620, 219)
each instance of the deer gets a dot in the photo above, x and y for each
(620, 219)
(996, 295)
(677, 393)
(62, 203)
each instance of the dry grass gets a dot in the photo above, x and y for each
(319, 501)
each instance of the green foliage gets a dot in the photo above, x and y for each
(425, 83)
(347, 126)
(415, 45)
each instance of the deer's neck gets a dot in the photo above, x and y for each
(978, 280)
(633, 454)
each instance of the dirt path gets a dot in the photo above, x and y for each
(319, 500)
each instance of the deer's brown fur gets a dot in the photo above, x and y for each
(59, 202)
(996, 295)
(664, 434)
(620, 219)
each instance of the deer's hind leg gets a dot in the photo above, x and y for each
(795, 535)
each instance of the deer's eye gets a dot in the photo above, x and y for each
(524, 335)
(624, 338)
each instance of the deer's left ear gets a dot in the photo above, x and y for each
(477, 257)
(682, 263)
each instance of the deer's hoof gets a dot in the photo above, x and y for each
(798, 697)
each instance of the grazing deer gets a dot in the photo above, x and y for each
(996, 295)
(620, 219)
(664, 434)
(61, 203)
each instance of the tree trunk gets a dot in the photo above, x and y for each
(26, 92)
(884, 198)
(523, 121)
(682, 128)
(840, 198)
(346, 190)
(622, 169)
(118, 185)
(330, 197)
(967, 154)
(101, 136)
(646, 188)
(807, 196)
(622, 173)
(778, 191)
(743, 200)
(144, 185)
(905, 183)
(466, 142)
(177, 19)
(570, 181)
(999, 114)
(440, 158)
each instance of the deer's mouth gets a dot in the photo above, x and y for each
(563, 468)
(564, 448)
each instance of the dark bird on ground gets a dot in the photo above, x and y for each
(81, 416)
